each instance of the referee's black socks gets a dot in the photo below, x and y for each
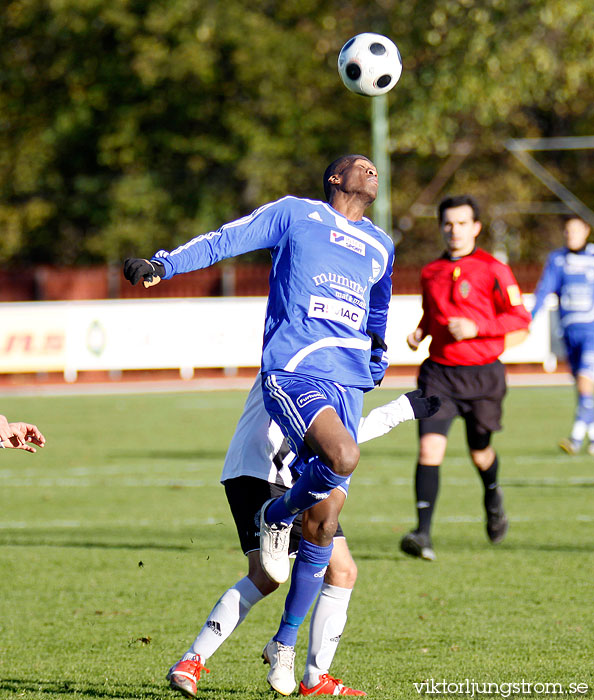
(489, 477)
(426, 487)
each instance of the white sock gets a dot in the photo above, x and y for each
(578, 432)
(230, 611)
(382, 419)
(591, 432)
(328, 619)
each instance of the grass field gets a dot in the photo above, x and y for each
(116, 540)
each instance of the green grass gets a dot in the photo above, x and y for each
(118, 531)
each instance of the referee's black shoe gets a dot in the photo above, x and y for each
(418, 544)
(497, 523)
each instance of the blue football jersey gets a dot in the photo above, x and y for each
(570, 275)
(330, 284)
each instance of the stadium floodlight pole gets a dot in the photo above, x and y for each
(520, 147)
(380, 136)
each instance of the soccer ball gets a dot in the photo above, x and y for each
(369, 64)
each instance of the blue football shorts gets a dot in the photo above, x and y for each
(580, 354)
(294, 400)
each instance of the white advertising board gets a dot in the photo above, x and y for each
(182, 334)
(405, 314)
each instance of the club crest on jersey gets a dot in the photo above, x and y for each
(376, 268)
(308, 397)
(335, 310)
(347, 242)
(464, 288)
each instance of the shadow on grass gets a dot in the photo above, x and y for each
(19, 687)
(4, 541)
(91, 690)
(455, 549)
(573, 548)
(387, 555)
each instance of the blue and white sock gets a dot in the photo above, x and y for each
(314, 485)
(584, 416)
(306, 581)
(585, 410)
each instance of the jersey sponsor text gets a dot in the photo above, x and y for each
(348, 242)
(335, 310)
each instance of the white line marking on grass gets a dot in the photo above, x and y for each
(92, 483)
(465, 519)
(194, 522)
(511, 482)
(113, 470)
(76, 524)
(84, 477)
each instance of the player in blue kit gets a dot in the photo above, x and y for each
(330, 287)
(569, 274)
(257, 466)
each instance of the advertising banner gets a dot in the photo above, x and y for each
(183, 334)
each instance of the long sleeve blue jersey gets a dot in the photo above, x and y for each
(570, 275)
(330, 284)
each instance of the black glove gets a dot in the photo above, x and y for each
(377, 364)
(136, 268)
(377, 342)
(423, 407)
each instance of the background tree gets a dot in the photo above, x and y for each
(126, 126)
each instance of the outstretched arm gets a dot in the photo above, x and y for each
(410, 406)
(261, 229)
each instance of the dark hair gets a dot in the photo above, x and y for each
(568, 217)
(336, 167)
(459, 201)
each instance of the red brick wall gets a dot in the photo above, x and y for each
(47, 283)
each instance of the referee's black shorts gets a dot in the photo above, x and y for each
(473, 392)
(246, 495)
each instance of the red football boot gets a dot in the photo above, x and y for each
(329, 686)
(183, 675)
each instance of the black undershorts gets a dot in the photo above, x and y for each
(246, 495)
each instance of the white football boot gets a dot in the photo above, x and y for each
(274, 548)
(282, 667)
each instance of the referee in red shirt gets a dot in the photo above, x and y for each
(472, 309)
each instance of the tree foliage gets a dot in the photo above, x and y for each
(130, 125)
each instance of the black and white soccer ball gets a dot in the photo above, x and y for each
(370, 64)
